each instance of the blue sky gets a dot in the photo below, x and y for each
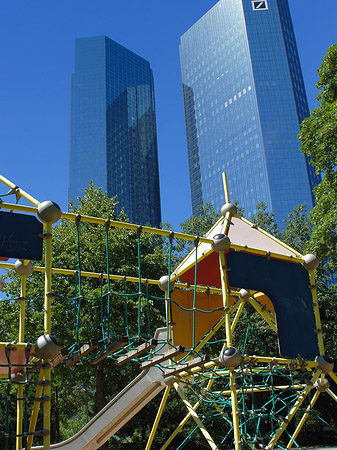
(37, 58)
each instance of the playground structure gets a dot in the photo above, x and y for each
(202, 352)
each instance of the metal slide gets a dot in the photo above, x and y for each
(119, 411)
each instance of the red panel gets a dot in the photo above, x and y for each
(208, 272)
(3, 259)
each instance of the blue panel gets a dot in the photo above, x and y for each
(20, 236)
(287, 286)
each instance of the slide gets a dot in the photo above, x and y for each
(119, 411)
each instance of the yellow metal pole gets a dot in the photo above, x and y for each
(292, 412)
(266, 315)
(333, 376)
(237, 316)
(22, 193)
(316, 312)
(158, 417)
(179, 427)
(332, 395)
(224, 285)
(225, 186)
(302, 421)
(36, 406)
(196, 418)
(257, 251)
(185, 419)
(47, 330)
(19, 407)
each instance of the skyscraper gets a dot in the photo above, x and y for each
(244, 99)
(113, 137)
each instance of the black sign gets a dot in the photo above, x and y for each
(258, 4)
(19, 236)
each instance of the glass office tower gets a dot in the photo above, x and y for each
(113, 137)
(244, 99)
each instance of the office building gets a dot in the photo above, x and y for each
(244, 100)
(113, 137)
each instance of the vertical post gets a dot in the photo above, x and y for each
(19, 408)
(47, 330)
(316, 312)
(225, 297)
(225, 186)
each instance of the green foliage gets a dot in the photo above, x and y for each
(298, 229)
(319, 141)
(200, 224)
(266, 220)
(91, 249)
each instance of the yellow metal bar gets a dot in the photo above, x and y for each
(47, 330)
(265, 314)
(33, 419)
(19, 406)
(69, 272)
(22, 192)
(333, 376)
(235, 417)
(186, 418)
(179, 427)
(196, 418)
(132, 226)
(22, 208)
(225, 298)
(19, 417)
(237, 315)
(158, 417)
(273, 238)
(224, 285)
(285, 361)
(302, 421)
(292, 412)
(257, 251)
(22, 310)
(251, 390)
(316, 312)
(225, 186)
(113, 223)
(332, 395)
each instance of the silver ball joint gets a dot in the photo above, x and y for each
(47, 347)
(322, 387)
(163, 283)
(230, 357)
(228, 207)
(310, 262)
(325, 363)
(221, 242)
(49, 212)
(22, 269)
(244, 294)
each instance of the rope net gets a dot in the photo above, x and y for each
(107, 305)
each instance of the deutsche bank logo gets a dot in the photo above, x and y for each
(258, 4)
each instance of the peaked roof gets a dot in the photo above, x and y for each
(242, 233)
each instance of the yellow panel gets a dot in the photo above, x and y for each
(183, 320)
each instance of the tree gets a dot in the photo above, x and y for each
(84, 389)
(266, 220)
(319, 141)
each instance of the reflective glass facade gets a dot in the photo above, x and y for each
(113, 138)
(244, 99)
